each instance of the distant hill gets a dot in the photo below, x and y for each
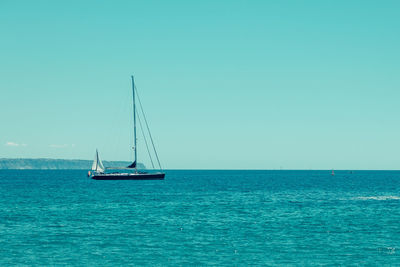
(58, 164)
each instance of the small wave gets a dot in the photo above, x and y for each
(379, 198)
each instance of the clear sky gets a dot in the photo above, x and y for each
(225, 84)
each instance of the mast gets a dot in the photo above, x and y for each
(134, 121)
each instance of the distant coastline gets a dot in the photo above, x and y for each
(56, 164)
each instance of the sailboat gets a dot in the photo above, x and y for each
(98, 172)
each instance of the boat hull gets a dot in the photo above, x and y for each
(130, 176)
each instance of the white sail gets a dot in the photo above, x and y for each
(100, 167)
(97, 165)
(94, 165)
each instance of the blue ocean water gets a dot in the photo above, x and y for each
(201, 218)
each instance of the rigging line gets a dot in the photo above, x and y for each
(145, 140)
(148, 129)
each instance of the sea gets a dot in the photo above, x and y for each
(201, 218)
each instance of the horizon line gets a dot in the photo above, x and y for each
(206, 169)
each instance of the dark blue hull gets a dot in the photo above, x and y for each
(130, 176)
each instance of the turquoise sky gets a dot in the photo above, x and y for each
(225, 84)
